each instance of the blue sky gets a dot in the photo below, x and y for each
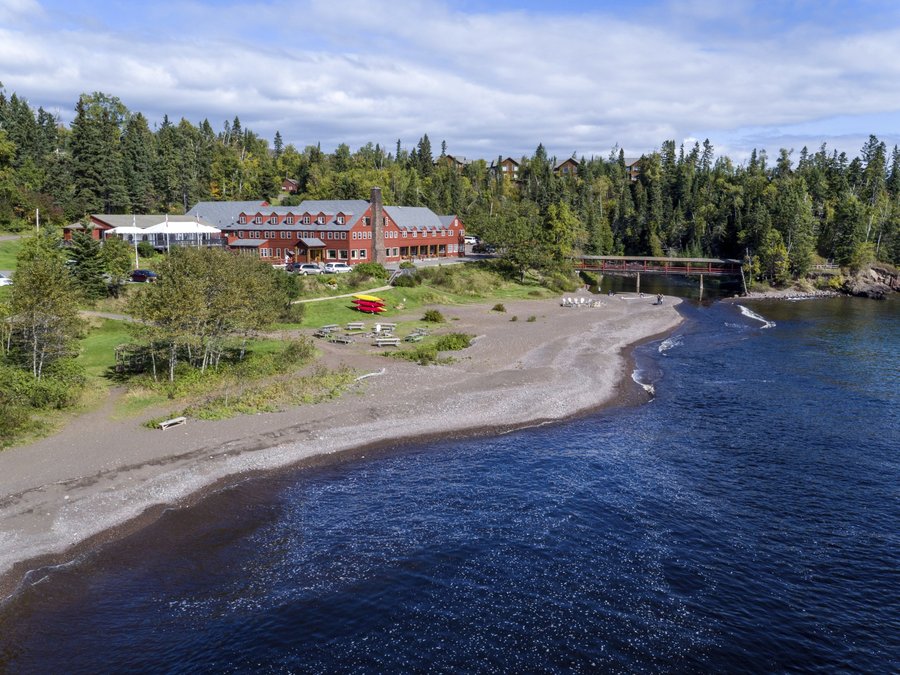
(489, 77)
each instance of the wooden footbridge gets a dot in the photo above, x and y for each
(636, 265)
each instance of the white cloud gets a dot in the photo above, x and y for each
(372, 70)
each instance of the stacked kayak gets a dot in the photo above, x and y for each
(368, 304)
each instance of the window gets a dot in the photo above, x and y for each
(273, 220)
(329, 235)
(367, 221)
(451, 233)
(320, 220)
(340, 220)
(343, 254)
(306, 220)
(332, 253)
(277, 252)
(289, 220)
(242, 219)
(265, 252)
(258, 220)
(415, 233)
(405, 233)
(354, 254)
(343, 235)
(240, 234)
(362, 253)
(354, 235)
(396, 252)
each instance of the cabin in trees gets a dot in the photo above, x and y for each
(567, 167)
(454, 161)
(506, 166)
(290, 185)
(633, 167)
(351, 231)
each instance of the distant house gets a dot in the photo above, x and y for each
(458, 162)
(633, 167)
(506, 166)
(567, 167)
(290, 185)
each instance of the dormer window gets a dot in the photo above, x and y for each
(306, 220)
(340, 220)
(273, 220)
(242, 219)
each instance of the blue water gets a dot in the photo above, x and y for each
(745, 520)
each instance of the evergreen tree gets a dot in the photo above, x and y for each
(88, 268)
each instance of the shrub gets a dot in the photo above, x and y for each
(407, 281)
(499, 307)
(513, 318)
(532, 319)
(453, 342)
(433, 316)
(407, 265)
(145, 249)
(369, 270)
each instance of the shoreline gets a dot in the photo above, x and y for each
(68, 495)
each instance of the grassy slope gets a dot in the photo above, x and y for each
(8, 252)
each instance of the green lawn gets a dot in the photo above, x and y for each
(8, 252)
(98, 347)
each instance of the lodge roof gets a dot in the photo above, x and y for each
(247, 243)
(414, 217)
(312, 242)
(221, 214)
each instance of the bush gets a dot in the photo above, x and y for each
(370, 270)
(407, 265)
(433, 316)
(499, 307)
(453, 342)
(145, 249)
(562, 283)
(532, 319)
(407, 281)
(513, 318)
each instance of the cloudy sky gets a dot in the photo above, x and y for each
(488, 76)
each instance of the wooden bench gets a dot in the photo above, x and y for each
(174, 422)
(388, 326)
(387, 342)
(330, 327)
(343, 339)
(356, 325)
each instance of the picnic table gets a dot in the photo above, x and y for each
(342, 339)
(356, 325)
(387, 342)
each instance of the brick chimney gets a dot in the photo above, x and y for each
(378, 250)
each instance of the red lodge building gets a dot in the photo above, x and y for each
(345, 230)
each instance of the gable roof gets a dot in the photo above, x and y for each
(566, 161)
(446, 221)
(413, 217)
(221, 214)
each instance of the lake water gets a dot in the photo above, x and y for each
(745, 520)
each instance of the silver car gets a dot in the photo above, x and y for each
(306, 268)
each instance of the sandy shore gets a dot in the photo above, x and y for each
(100, 477)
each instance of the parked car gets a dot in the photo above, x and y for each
(306, 268)
(5, 281)
(337, 268)
(142, 276)
(471, 241)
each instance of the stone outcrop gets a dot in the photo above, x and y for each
(874, 282)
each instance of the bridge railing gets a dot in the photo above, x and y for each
(659, 267)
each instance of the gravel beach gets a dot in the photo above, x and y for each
(101, 477)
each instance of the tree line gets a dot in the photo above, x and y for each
(783, 213)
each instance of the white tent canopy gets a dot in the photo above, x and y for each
(125, 229)
(179, 228)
